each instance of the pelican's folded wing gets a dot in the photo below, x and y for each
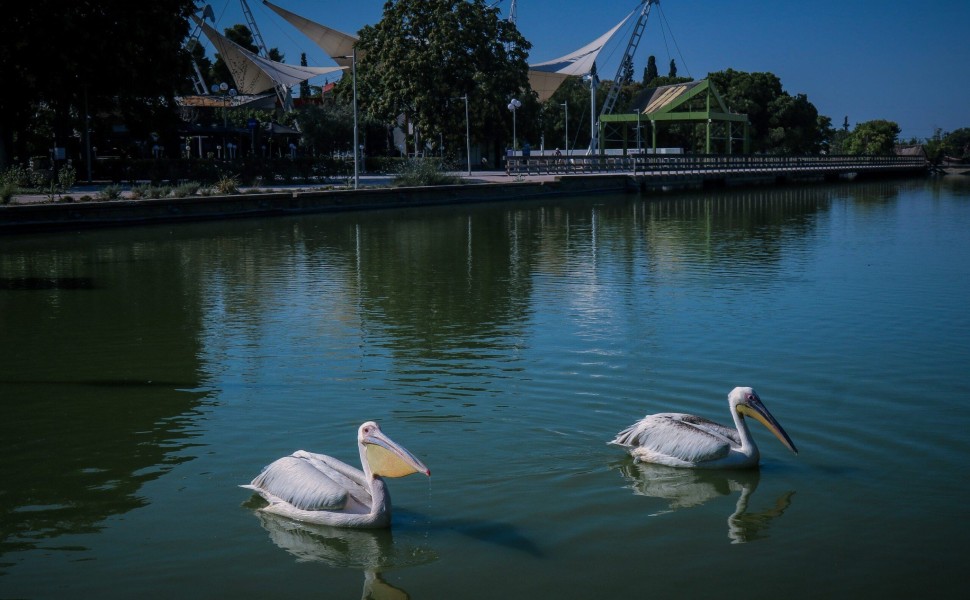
(686, 437)
(300, 484)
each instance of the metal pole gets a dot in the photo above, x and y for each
(87, 132)
(514, 106)
(565, 106)
(594, 142)
(356, 147)
(468, 139)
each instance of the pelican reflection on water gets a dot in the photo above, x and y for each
(371, 551)
(688, 488)
(320, 489)
(682, 440)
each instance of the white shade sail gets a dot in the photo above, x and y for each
(546, 77)
(254, 74)
(336, 44)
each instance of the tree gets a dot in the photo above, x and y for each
(304, 85)
(778, 121)
(650, 71)
(673, 69)
(956, 144)
(109, 56)
(877, 137)
(424, 56)
(627, 76)
(795, 126)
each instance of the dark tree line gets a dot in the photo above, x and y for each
(61, 61)
(124, 63)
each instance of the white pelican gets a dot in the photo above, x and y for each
(679, 440)
(321, 489)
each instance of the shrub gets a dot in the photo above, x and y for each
(7, 190)
(16, 176)
(227, 185)
(423, 172)
(110, 192)
(189, 188)
(66, 178)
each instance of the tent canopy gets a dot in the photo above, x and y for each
(337, 44)
(546, 77)
(254, 74)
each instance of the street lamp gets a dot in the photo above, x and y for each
(514, 105)
(353, 71)
(565, 106)
(468, 139)
(593, 138)
(227, 95)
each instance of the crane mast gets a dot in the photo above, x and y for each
(198, 81)
(631, 49)
(282, 92)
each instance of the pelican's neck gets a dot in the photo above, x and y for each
(747, 442)
(380, 499)
(365, 464)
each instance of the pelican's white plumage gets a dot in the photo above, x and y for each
(321, 489)
(682, 440)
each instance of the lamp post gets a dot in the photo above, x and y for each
(565, 106)
(353, 71)
(593, 138)
(468, 139)
(514, 106)
(227, 95)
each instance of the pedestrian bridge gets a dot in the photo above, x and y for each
(712, 170)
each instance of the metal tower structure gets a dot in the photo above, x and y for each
(282, 91)
(198, 81)
(513, 14)
(631, 49)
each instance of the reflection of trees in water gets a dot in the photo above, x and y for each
(449, 292)
(371, 551)
(71, 463)
(97, 390)
(686, 488)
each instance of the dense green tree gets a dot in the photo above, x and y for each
(650, 71)
(304, 85)
(111, 56)
(627, 76)
(779, 122)
(673, 69)
(751, 94)
(877, 137)
(424, 56)
(956, 144)
(795, 128)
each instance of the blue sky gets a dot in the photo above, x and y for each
(903, 61)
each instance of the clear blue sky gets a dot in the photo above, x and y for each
(903, 61)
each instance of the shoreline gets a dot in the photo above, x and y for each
(36, 213)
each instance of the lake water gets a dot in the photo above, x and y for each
(147, 372)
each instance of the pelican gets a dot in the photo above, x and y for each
(679, 440)
(320, 489)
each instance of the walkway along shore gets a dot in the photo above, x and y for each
(525, 180)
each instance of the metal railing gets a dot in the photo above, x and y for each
(703, 164)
